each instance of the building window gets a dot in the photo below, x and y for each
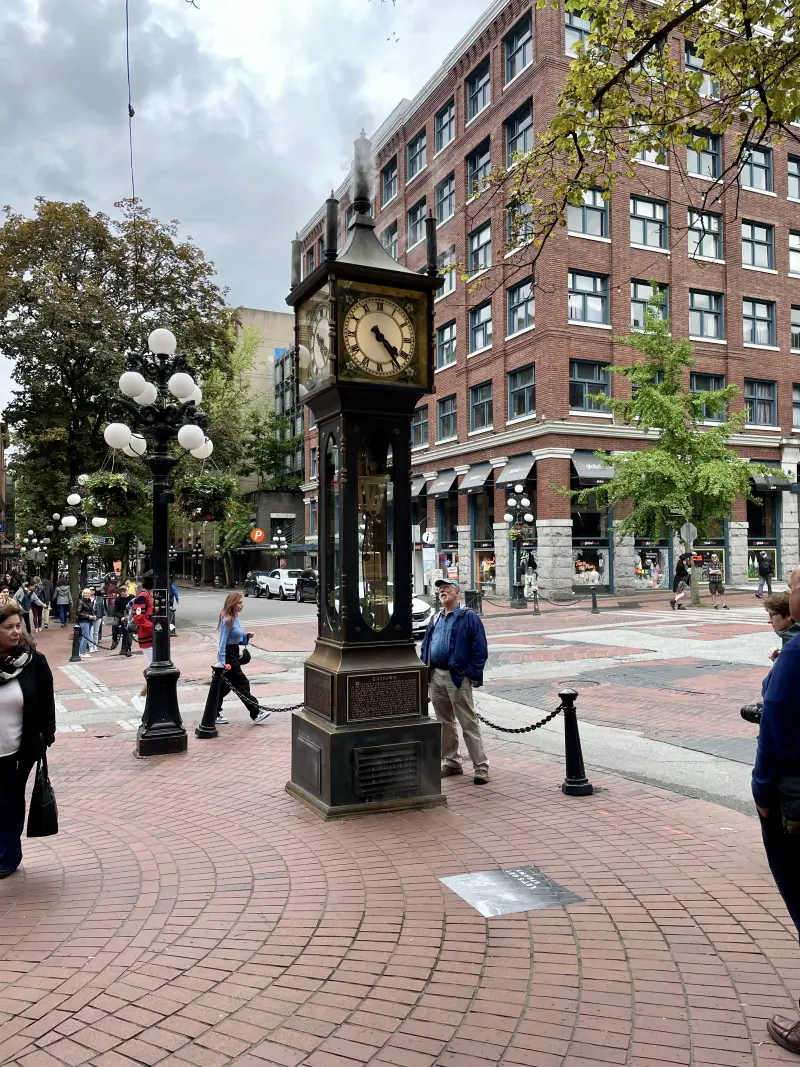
(758, 322)
(416, 223)
(705, 234)
(520, 306)
(706, 161)
(313, 514)
(417, 154)
(389, 181)
(522, 392)
(445, 345)
(479, 167)
(706, 315)
(794, 177)
(480, 327)
(479, 89)
(708, 383)
(480, 248)
(447, 418)
(641, 295)
(759, 402)
(313, 462)
(321, 249)
(312, 419)
(518, 48)
(519, 227)
(576, 32)
(309, 262)
(757, 169)
(444, 125)
(758, 245)
(591, 217)
(694, 65)
(519, 132)
(588, 297)
(447, 259)
(419, 427)
(446, 198)
(389, 240)
(588, 385)
(649, 223)
(480, 407)
(796, 407)
(653, 155)
(794, 251)
(795, 328)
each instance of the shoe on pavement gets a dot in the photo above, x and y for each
(222, 721)
(672, 604)
(759, 597)
(716, 607)
(262, 716)
(785, 1032)
(6, 871)
(481, 777)
(725, 607)
(448, 770)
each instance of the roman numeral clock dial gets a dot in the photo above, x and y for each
(379, 337)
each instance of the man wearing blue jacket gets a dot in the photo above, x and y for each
(778, 757)
(454, 648)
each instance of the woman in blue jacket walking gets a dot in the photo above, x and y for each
(231, 637)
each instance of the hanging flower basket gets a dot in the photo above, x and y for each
(82, 545)
(114, 494)
(205, 497)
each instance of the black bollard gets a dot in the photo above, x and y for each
(76, 644)
(595, 610)
(208, 724)
(536, 609)
(518, 598)
(575, 784)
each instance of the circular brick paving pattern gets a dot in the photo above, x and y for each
(191, 912)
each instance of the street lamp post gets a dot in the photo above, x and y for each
(517, 515)
(162, 405)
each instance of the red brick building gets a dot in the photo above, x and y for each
(520, 358)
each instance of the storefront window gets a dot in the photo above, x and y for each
(485, 570)
(651, 565)
(591, 564)
(448, 518)
(448, 562)
(702, 556)
(763, 521)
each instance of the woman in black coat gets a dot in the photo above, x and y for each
(27, 727)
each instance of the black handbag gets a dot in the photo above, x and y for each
(789, 798)
(244, 656)
(43, 810)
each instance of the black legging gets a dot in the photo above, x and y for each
(235, 679)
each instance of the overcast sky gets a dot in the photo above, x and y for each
(246, 110)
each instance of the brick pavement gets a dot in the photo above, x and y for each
(191, 914)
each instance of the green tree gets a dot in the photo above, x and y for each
(630, 89)
(690, 473)
(234, 533)
(78, 289)
(267, 446)
(227, 395)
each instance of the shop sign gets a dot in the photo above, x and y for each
(588, 544)
(484, 544)
(449, 546)
(529, 544)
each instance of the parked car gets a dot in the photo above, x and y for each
(282, 583)
(421, 614)
(256, 584)
(307, 587)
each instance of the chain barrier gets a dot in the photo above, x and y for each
(520, 729)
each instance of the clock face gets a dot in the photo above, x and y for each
(314, 338)
(379, 336)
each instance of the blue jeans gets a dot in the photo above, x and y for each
(765, 578)
(63, 613)
(13, 776)
(86, 636)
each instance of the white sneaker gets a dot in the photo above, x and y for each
(262, 716)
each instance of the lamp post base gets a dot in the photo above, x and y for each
(162, 732)
(518, 599)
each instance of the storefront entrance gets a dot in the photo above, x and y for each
(591, 546)
(763, 526)
(652, 565)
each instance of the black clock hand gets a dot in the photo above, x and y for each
(390, 348)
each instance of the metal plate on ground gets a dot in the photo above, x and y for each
(511, 890)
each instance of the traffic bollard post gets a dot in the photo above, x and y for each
(76, 644)
(575, 784)
(595, 609)
(208, 724)
(536, 609)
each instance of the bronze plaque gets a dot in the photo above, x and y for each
(389, 695)
(319, 692)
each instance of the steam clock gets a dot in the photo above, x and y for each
(364, 330)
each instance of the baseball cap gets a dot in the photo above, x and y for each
(447, 581)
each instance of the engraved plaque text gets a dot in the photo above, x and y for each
(383, 696)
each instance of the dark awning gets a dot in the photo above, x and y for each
(475, 478)
(589, 469)
(766, 481)
(417, 485)
(442, 483)
(516, 470)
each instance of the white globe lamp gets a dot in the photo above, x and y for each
(69, 521)
(181, 385)
(61, 528)
(190, 437)
(131, 383)
(162, 342)
(205, 450)
(197, 395)
(73, 499)
(511, 502)
(508, 517)
(56, 516)
(519, 489)
(147, 396)
(97, 522)
(528, 517)
(117, 435)
(525, 502)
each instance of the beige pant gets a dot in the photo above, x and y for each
(451, 703)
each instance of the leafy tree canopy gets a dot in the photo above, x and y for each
(631, 89)
(267, 446)
(690, 471)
